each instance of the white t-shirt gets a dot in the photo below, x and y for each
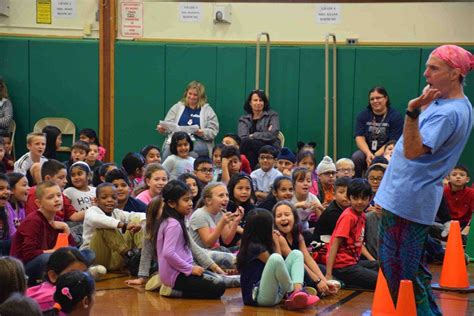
(81, 200)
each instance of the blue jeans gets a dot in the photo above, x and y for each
(5, 247)
(35, 269)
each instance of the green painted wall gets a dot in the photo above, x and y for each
(60, 78)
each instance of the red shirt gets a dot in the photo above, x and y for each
(33, 236)
(460, 203)
(245, 166)
(64, 215)
(350, 226)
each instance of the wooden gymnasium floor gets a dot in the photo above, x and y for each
(115, 298)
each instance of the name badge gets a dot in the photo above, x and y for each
(374, 145)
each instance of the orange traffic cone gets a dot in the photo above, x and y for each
(454, 304)
(62, 241)
(454, 271)
(382, 304)
(406, 305)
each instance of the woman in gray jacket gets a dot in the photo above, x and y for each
(192, 114)
(6, 108)
(259, 127)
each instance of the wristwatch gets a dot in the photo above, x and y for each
(413, 114)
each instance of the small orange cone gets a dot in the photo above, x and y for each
(454, 303)
(62, 241)
(406, 305)
(382, 304)
(454, 271)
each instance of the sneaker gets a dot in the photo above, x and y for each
(96, 271)
(310, 290)
(312, 299)
(169, 292)
(297, 300)
(132, 261)
(231, 280)
(154, 283)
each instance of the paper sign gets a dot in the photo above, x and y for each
(64, 8)
(190, 12)
(132, 19)
(328, 13)
(43, 11)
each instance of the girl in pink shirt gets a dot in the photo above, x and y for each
(61, 261)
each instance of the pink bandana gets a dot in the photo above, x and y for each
(455, 57)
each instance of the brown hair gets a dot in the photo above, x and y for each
(153, 211)
(40, 188)
(150, 170)
(12, 276)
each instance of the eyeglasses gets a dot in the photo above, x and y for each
(345, 170)
(373, 179)
(205, 170)
(266, 157)
(329, 174)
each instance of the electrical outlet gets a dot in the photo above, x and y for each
(352, 41)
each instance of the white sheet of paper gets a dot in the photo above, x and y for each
(173, 127)
(190, 12)
(65, 9)
(328, 13)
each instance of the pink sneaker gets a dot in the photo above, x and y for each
(312, 300)
(297, 300)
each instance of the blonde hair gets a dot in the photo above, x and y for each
(207, 193)
(41, 188)
(201, 91)
(31, 136)
(345, 160)
(3, 89)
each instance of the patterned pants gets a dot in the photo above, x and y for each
(401, 251)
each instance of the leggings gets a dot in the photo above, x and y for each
(401, 252)
(207, 286)
(279, 276)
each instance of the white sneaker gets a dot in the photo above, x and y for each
(96, 271)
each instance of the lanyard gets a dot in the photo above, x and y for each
(374, 123)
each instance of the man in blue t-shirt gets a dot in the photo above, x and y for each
(411, 189)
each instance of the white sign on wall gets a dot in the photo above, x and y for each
(328, 13)
(64, 8)
(132, 19)
(190, 12)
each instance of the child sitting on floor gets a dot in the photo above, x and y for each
(347, 242)
(212, 221)
(61, 261)
(36, 236)
(180, 277)
(327, 221)
(74, 294)
(327, 176)
(113, 234)
(264, 176)
(265, 276)
(459, 196)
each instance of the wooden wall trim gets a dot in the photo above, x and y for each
(107, 36)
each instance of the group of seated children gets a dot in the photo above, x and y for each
(289, 230)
